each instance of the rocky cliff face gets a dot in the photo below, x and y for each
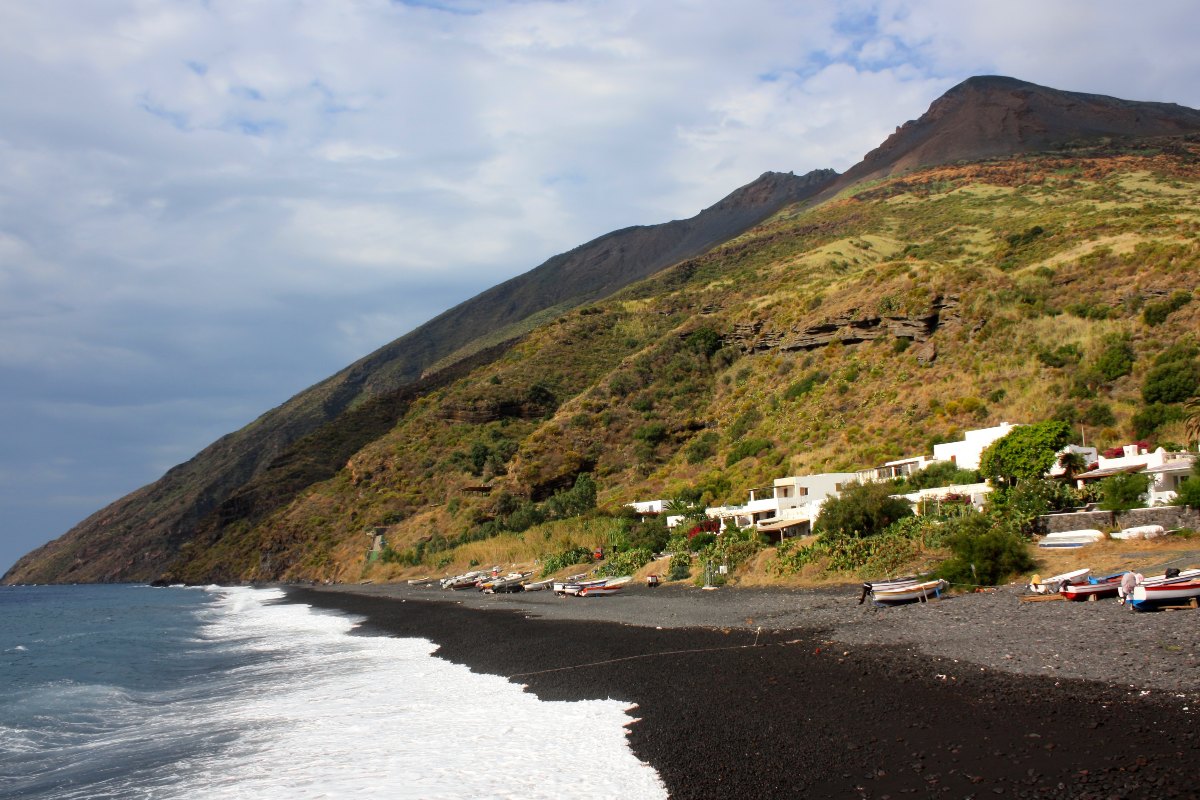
(851, 327)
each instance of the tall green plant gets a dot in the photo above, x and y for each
(1027, 452)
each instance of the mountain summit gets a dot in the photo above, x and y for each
(990, 116)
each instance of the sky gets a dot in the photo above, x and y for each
(206, 207)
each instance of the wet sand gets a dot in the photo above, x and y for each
(804, 693)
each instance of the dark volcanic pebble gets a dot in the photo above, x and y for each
(802, 715)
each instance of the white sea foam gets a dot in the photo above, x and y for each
(328, 714)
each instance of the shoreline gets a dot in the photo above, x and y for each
(791, 693)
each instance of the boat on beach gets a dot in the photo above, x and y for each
(1055, 582)
(910, 590)
(537, 586)
(609, 586)
(1093, 588)
(1077, 538)
(560, 586)
(1140, 532)
(512, 582)
(1149, 593)
(464, 581)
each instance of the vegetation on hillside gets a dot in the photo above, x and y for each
(1057, 289)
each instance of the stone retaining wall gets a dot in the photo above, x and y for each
(1167, 516)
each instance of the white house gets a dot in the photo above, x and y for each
(965, 453)
(1166, 470)
(648, 507)
(925, 500)
(900, 468)
(788, 507)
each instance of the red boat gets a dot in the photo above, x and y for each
(1094, 589)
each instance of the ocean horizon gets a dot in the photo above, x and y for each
(130, 691)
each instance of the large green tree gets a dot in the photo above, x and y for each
(1026, 453)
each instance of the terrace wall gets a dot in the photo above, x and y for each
(1167, 516)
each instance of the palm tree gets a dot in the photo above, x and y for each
(1071, 463)
(1191, 423)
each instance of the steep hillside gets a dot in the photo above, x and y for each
(803, 323)
(827, 339)
(137, 536)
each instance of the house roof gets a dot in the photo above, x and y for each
(1174, 466)
(781, 524)
(1105, 473)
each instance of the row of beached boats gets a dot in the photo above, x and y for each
(1141, 593)
(491, 582)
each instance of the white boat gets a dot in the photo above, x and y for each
(575, 587)
(509, 583)
(463, 581)
(1150, 592)
(560, 586)
(609, 586)
(907, 591)
(1077, 538)
(537, 586)
(1055, 582)
(420, 581)
(1141, 532)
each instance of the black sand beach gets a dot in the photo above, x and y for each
(812, 705)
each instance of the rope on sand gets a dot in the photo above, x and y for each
(653, 655)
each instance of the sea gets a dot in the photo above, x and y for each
(143, 692)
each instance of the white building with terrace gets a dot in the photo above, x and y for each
(788, 507)
(1165, 470)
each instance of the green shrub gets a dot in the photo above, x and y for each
(1172, 382)
(681, 566)
(1123, 492)
(573, 502)
(1099, 415)
(1027, 452)
(864, 509)
(704, 341)
(1157, 313)
(701, 448)
(939, 473)
(1179, 351)
(651, 534)
(1062, 356)
(652, 434)
(1020, 506)
(625, 563)
(747, 448)
(1154, 416)
(1115, 360)
(806, 384)
(985, 553)
(570, 556)
(742, 425)
(1188, 493)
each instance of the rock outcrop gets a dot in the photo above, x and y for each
(850, 327)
